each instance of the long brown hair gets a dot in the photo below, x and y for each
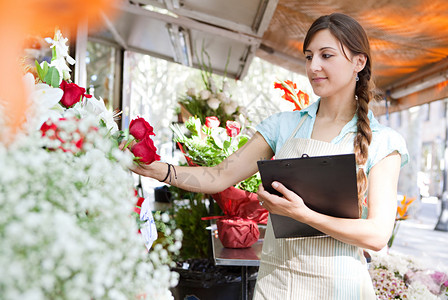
(353, 37)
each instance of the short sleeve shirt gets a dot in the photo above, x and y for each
(278, 128)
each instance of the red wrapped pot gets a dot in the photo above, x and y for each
(237, 232)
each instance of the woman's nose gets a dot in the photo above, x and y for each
(314, 64)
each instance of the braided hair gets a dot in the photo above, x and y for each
(353, 37)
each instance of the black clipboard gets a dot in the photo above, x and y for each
(327, 184)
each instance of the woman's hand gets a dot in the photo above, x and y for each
(148, 170)
(290, 205)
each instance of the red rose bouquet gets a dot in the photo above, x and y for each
(144, 149)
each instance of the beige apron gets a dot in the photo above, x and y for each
(320, 268)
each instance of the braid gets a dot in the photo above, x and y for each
(353, 37)
(364, 133)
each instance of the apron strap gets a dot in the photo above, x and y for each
(297, 128)
(347, 137)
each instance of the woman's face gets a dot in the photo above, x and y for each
(329, 71)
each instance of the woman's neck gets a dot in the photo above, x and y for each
(337, 109)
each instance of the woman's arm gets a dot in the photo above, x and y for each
(235, 168)
(371, 233)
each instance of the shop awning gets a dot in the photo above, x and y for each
(409, 38)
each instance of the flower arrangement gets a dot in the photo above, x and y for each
(211, 100)
(209, 144)
(400, 277)
(402, 214)
(66, 199)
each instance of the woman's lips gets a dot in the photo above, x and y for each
(318, 79)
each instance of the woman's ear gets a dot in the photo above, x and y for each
(360, 61)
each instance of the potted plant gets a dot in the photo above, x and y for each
(205, 144)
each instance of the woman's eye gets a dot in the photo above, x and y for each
(326, 55)
(308, 57)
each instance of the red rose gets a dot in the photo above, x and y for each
(72, 94)
(145, 150)
(138, 205)
(140, 129)
(212, 122)
(233, 128)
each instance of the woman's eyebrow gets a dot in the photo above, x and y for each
(321, 49)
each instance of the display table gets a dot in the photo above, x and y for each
(237, 257)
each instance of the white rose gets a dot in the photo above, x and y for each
(204, 94)
(191, 92)
(212, 85)
(223, 98)
(230, 107)
(213, 103)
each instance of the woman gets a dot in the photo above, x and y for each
(338, 66)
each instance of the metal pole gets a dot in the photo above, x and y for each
(244, 283)
(442, 223)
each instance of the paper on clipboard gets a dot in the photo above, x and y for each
(327, 184)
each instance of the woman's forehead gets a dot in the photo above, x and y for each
(322, 40)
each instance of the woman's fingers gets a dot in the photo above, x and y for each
(283, 190)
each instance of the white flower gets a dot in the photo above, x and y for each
(191, 92)
(98, 107)
(204, 94)
(62, 56)
(178, 234)
(62, 221)
(212, 85)
(70, 247)
(165, 218)
(43, 102)
(230, 107)
(213, 103)
(59, 44)
(223, 98)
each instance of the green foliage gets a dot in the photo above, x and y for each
(188, 209)
(49, 75)
(41, 71)
(52, 77)
(250, 184)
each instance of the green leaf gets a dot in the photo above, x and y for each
(226, 145)
(41, 72)
(53, 54)
(243, 140)
(52, 77)
(46, 68)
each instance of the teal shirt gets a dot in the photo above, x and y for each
(278, 128)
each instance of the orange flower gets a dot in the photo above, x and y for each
(299, 98)
(402, 209)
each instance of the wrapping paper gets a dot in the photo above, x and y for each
(242, 211)
(238, 203)
(237, 232)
